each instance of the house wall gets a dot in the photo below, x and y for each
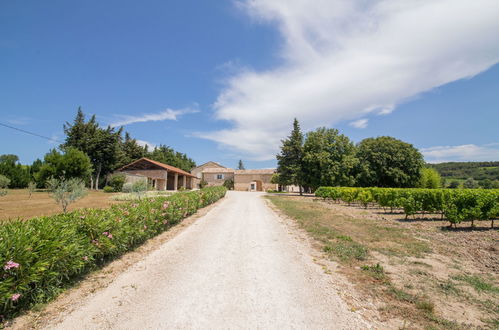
(211, 178)
(153, 174)
(197, 170)
(242, 182)
(132, 178)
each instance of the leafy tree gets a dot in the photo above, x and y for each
(289, 160)
(240, 166)
(66, 191)
(131, 150)
(429, 179)
(454, 184)
(167, 155)
(328, 159)
(72, 163)
(387, 162)
(34, 169)
(18, 174)
(4, 183)
(486, 184)
(470, 184)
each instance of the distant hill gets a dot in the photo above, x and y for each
(460, 171)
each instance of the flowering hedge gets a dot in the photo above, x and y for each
(41, 256)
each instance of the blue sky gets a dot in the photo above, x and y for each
(222, 80)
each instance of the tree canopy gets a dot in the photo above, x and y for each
(387, 162)
(289, 160)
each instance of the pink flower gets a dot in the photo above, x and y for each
(95, 241)
(15, 296)
(126, 213)
(82, 217)
(85, 258)
(10, 264)
(165, 222)
(110, 235)
(105, 233)
(145, 227)
(165, 205)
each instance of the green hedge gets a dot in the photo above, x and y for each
(41, 256)
(456, 205)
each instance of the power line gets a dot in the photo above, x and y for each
(30, 133)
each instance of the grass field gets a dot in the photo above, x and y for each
(416, 271)
(18, 204)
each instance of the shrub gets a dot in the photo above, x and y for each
(127, 188)
(229, 184)
(108, 189)
(116, 182)
(139, 188)
(65, 192)
(4, 183)
(41, 256)
(31, 188)
(203, 184)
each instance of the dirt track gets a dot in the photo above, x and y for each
(236, 267)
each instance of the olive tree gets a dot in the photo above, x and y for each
(66, 191)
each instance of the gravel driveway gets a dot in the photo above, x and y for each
(238, 267)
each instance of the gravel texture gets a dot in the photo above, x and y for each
(237, 267)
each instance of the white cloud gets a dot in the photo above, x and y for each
(343, 59)
(149, 145)
(462, 153)
(361, 123)
(168, 114)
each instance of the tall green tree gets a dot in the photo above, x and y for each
(131, 150)
(387, 162)
(167, 155)
(240, 166)
(289, 160)
(328, 159)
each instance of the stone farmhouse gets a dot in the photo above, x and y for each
(244, 180)
(159, 176)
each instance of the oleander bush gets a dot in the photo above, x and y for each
(456, 205)
(41, 256)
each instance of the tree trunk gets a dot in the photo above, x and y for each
(97, 177)
(301, 190)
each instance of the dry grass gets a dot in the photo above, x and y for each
(415, 271)
(18, 204)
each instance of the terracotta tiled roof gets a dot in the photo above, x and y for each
(166, 167)
(218, 170)
(261, 171)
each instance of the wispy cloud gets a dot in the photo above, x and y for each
(149, 145)
(168, 114)
(361, 123)
(465, 152)
(344, 59)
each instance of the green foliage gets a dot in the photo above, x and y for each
(229, 184)
(457, 205)
(470, 184)
(73, 163)
(139, 188)
(289, 160)
(430, 179)
(18, 174)
(387, 162)
(108, 189)
(116, 182)
(328, 159)
(454, 184)
(171, 157)
(127, 188)
(66, 191)
(202, 183)
(4, 183)
(42, 256)
(377, 271)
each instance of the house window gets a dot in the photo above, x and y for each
(220, 176)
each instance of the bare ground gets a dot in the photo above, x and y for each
(441, 275)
